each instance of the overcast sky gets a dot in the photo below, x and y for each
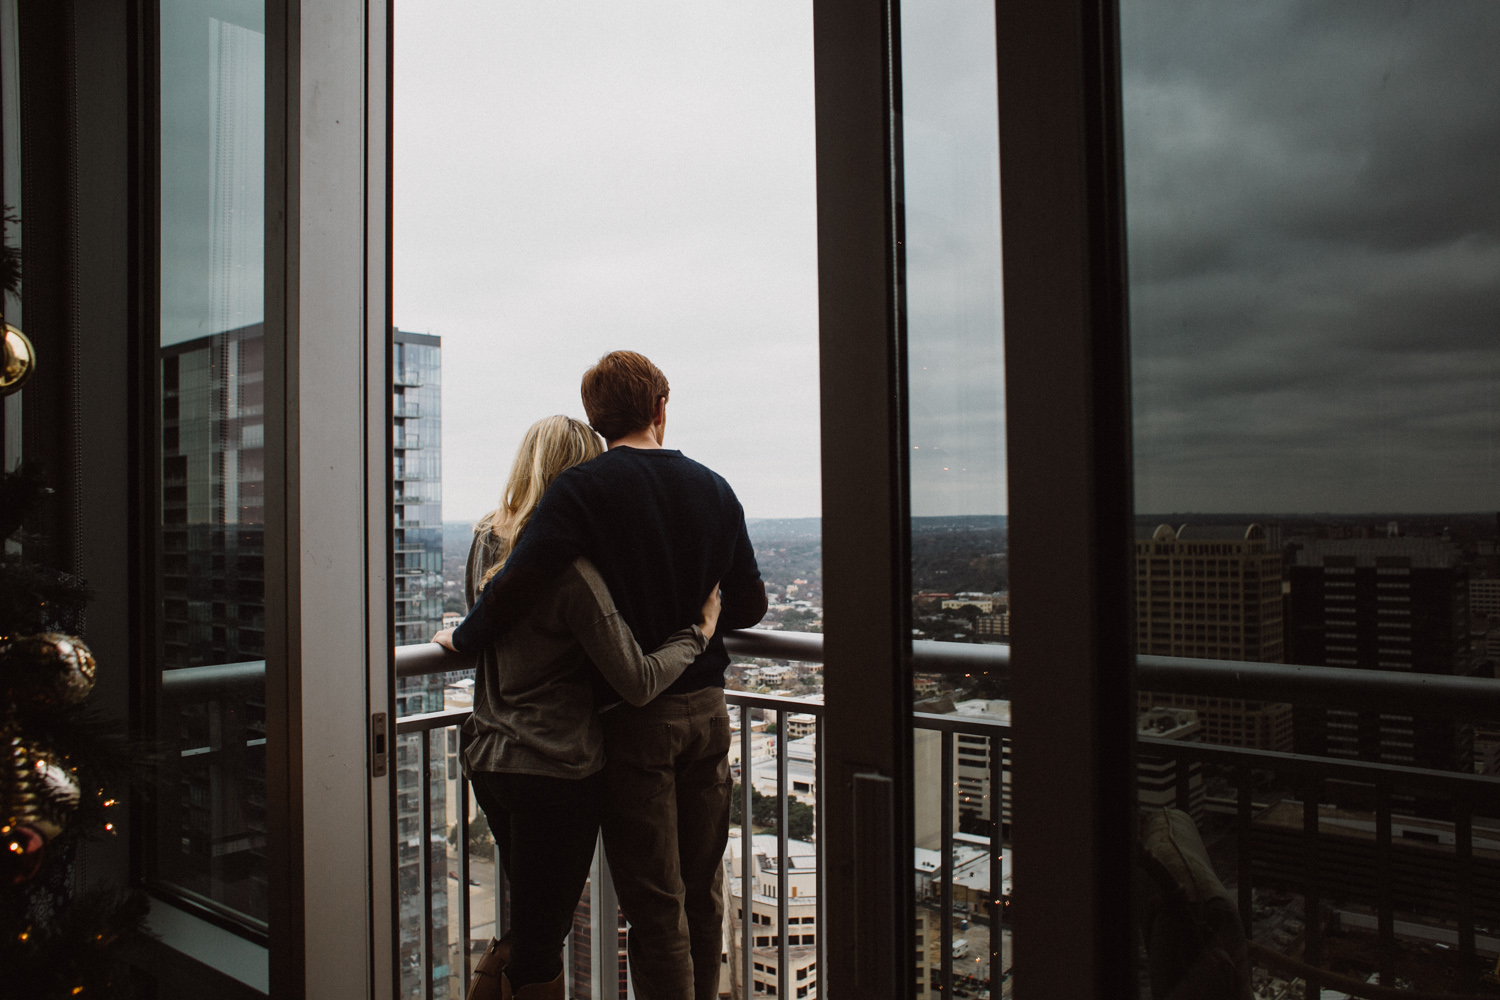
(573, 178)
(576, 177)
(1313, 225)
(1314, 234)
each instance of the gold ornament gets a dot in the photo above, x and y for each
(17, 361)
(49, 668)
(35, 790)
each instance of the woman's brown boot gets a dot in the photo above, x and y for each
(486, 982)
(536, 991)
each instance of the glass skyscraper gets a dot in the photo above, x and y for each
(418, 460)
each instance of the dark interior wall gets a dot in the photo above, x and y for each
(102, 365)
(48, 210)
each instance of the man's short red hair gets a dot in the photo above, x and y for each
(620, 394)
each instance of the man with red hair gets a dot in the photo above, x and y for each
(662, 530)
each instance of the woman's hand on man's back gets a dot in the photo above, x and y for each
(709, 618)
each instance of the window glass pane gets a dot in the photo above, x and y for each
(1313, 220)
(956, 424)
(211, 806)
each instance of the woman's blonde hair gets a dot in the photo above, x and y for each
(551, 445)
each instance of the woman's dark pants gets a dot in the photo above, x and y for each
(545, 829)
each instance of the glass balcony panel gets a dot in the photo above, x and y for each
(1312, 223)
(208, 848)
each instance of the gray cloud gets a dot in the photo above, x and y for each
(1314, 227)
(955, 344)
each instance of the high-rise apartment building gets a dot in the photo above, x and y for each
(417, 544)
(1213, 592)
(1382, 604)
(416, 442)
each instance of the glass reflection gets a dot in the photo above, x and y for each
(211, 809)
(1314, 232)
(956, 422)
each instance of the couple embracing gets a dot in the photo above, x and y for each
(598, 553)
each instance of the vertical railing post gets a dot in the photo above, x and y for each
(747, 851)
(945, 866)
(424, 838)
(997, 863)
(1244, 820)
(1311, 905)
(1386, 909)
(466, 933)
(1463, 852)
(820, 947)
(783, 813)
(502, 896)
(1182, 772)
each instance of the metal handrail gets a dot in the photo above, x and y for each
(1458, 698)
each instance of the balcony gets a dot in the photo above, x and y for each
(410, 378)
(406, 411)
(1415, 880)
(1364, 876)
(406, 442)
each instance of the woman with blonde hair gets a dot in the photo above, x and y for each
(534, 746)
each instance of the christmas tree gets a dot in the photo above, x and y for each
(63, 767)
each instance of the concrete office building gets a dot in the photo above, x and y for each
(1156, 777)
(1484, 599)
(1382, 604)
(974, 796)
(1214, 592)
(800, 978)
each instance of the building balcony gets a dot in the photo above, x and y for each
(409, 378)
(407, 411)
(406, 442)
(1418, 869)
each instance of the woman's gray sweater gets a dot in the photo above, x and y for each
(534, 705)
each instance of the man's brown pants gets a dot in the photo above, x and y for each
(666, 821)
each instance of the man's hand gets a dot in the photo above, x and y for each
(445, 639)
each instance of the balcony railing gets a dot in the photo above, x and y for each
(1322, 857)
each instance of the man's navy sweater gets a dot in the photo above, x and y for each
(661, 528)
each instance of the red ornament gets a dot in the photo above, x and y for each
(21, 850)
